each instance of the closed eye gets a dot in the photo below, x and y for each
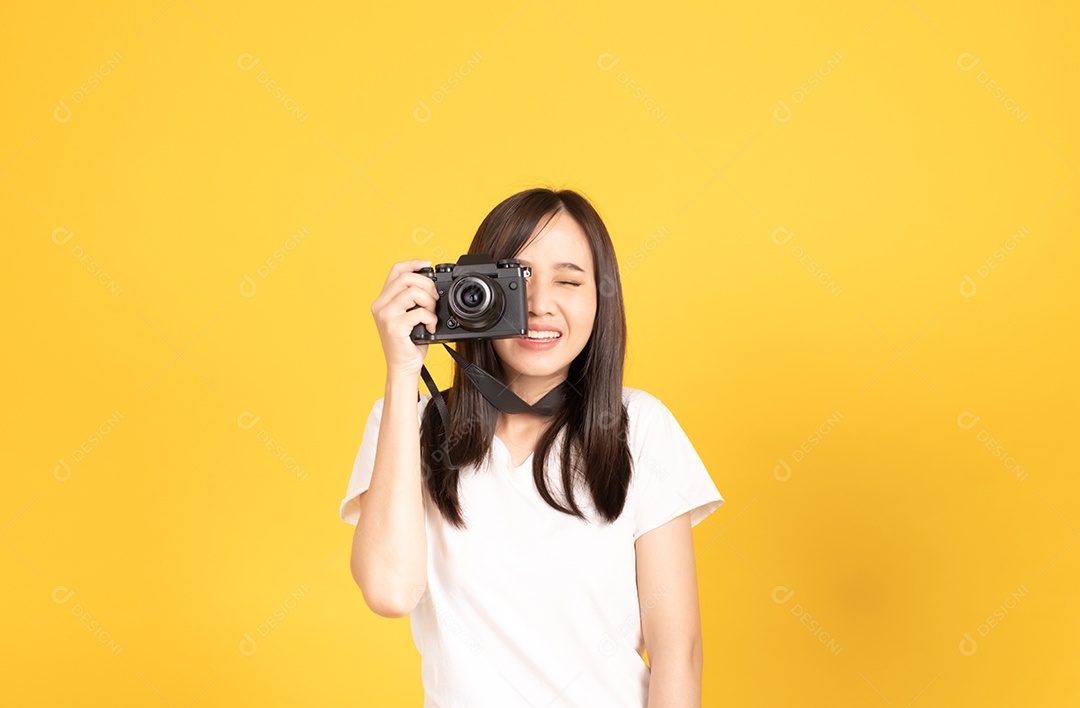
(568, 282)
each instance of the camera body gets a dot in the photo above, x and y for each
(479, 298)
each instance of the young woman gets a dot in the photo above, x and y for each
(543, 553)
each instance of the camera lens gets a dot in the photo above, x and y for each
(476, 302)
(472, 296)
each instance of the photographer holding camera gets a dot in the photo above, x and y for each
(535, 521)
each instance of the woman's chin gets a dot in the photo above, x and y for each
(535, 364)
(526, 359)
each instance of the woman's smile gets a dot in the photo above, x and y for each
(540, 337)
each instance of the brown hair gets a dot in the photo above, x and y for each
(592, 415)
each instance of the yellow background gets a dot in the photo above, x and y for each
(137, 221)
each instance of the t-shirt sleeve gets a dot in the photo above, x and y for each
(670, 478)
(360, 479)
(364, 463)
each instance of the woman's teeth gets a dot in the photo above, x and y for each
(536, 334)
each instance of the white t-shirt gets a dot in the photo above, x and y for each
(530, 606)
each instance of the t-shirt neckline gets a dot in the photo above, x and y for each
(510, 458)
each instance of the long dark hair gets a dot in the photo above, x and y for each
(592, 416)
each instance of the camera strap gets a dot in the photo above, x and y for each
(493, 390)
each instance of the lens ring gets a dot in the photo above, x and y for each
(475, 302)
(470, 296)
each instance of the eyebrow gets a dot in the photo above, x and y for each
(559, 266)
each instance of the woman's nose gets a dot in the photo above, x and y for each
(539, 297)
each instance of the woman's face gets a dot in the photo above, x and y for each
(561, 299)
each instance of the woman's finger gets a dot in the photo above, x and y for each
(407, 299)
(421, 315)
(412, 295)
(414, 279)
(401, 324)
(405, 267)
(404, 281)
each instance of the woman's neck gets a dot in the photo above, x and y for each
(532, 388)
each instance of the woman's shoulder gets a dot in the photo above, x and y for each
(651, 422)
(640, 403)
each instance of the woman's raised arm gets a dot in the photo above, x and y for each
(389, 550)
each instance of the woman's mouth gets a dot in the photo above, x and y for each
(540, 339)
(543, 334)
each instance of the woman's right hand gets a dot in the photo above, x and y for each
(405, 289)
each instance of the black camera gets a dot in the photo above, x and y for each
(479, 298)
